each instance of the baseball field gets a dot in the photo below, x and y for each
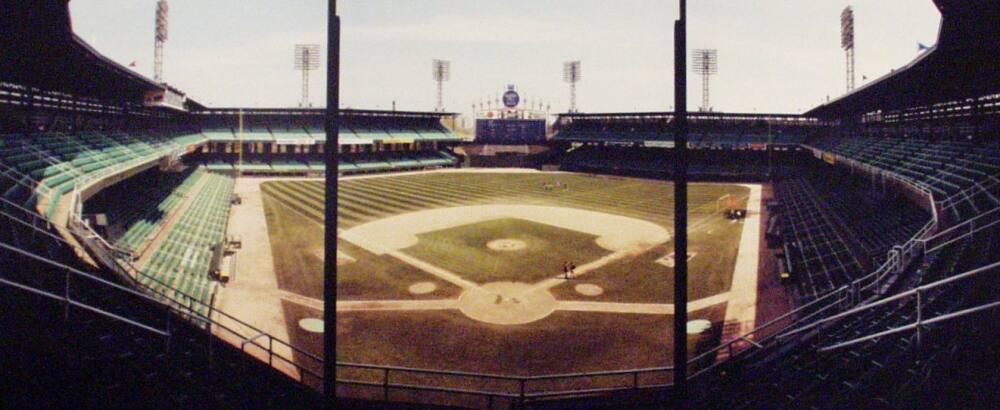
(466, 270)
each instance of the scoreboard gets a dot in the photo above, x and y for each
(510, 131)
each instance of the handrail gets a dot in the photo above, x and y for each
(128, 271)
(912, 326)
(171, 302)
(898, 296)
(995, 212)
(45, 190)
(68, 298)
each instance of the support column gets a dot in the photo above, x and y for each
(680, 207)
(330, 234)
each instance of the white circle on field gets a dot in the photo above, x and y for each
(506, 245)
(588, 289)
(698, 326)
(422, 288)
(312, 325)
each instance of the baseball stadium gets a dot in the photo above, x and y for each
(162, 251)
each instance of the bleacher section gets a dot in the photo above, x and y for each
(348, 163)
(965, 175)
(182, 260)
(76, 356)
(154, 196)
(51, 164)
(658, 162)
(705, 133)
(951, 360)
(818, 256)
(876, 219)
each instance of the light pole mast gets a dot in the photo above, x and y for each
(160, 37)
(847, 43)
(706, 63)
(572, 75)
(307, 59)
(442, 72)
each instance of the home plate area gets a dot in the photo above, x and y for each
(519, 288)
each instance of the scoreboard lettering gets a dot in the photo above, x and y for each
(510, 131)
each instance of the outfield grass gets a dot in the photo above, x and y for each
(564, 341)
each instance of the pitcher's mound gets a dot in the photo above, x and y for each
(506, 245)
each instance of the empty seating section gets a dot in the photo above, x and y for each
(181, 262)
(348, 163)
(52, 164)
(819, 259)
(155, 199)
(967, 174)
(705, 164)
(889, 371)
(876, 219)
(701, 134)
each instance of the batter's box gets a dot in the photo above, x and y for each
(668, 260)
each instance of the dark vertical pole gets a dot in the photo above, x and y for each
(330, 234)
(680, 207)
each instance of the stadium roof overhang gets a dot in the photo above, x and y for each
(962, 65)
(692, 116)
(39, 50)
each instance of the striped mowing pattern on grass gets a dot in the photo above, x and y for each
(182, 261)
(368, 199)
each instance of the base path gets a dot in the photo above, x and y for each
(376, 305)
(741, 311)
(614, 232)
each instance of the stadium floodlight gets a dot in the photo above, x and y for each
(847, 42)
(706, 63)
(306, 59)
(160, 37)
(441, 71)
(572, 75)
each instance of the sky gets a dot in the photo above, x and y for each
(774, 55)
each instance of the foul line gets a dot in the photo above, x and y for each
(441, 273)
(383, 305)
(638, 308)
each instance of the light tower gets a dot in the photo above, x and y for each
(847, 42)
(571, 75)
(442, 72)
(706, 63)
(160, 38)
(306, 60)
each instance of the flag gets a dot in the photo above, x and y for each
(922, 47)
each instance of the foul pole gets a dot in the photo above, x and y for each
(680, 207)
(330, 234)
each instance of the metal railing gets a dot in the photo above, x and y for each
(250, 339)
(919, 322)
(762, 338)
(67, 296)
(517, 389)
(257, 343)
(960, 231)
